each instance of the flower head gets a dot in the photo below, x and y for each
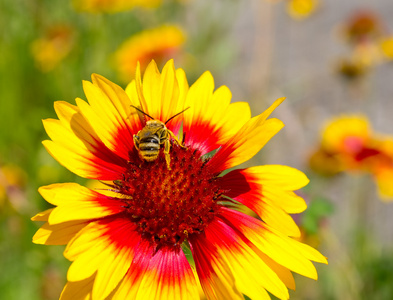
(386, 45)
(349, 144)
(112, 6)
(132, 244)
(301, 9)
(363, 25)
(158, 43)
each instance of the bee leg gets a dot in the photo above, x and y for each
(167, 147)
(136, 141)
(176, 139)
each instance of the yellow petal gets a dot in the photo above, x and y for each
(169, 92)
(283, 177)
(105, 247)
(277, 218)
(75, 202)
(183, 89)
(42, 216)
(211, 112)
(271, 184)
(72, 120)
(120, 101)
(199, 100)
(139, 88)
(282, 249)
(235, 116)
(76, 146)
(246, 143)
(151, 91)
(83, 163)
(163, 274)
(215, 276)
(79, 290)
(283, 273)
(59, 234)
(286, 200)
(243, 261)
(285, 251)
(109, 119)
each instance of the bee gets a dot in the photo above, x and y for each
(148, 141)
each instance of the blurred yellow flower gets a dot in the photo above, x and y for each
(387, 47)
(349, 144)
(159, 43)
(49, 50)
(112, 6)
(301, 9)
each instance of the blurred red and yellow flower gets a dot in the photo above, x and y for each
(362, 26)
(131, 245)
(113, 6)
(49, 50)
(349, 144)
(159, 43)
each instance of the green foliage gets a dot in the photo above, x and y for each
(317, 210)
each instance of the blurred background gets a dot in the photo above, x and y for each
(330, 58)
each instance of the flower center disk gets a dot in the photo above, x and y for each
(169, 205)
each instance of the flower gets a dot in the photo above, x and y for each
(158, 43)
(362, 26)
(386, 45)
(301, 9)
(49, 50)
(141, 242)
(349, 144)
(113, 6)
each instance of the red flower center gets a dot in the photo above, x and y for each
(169, 205)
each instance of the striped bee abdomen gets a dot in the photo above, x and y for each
(149, 147)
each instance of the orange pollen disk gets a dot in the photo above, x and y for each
(170, 205)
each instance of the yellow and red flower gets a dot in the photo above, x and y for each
(159, 44)
(349, 144)
(113, 6)
(132, 244)
(363, 26)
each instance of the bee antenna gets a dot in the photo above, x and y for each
(138, 109)
(176, 114)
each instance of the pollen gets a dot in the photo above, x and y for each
(169, 205)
